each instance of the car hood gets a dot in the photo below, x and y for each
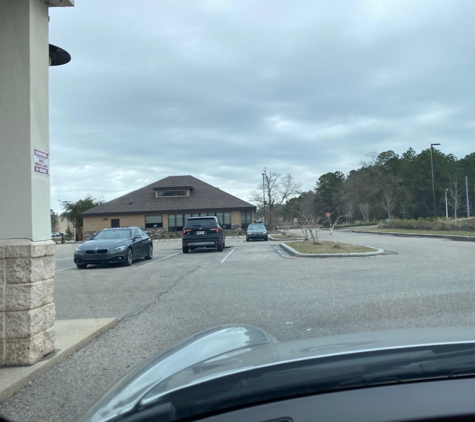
(103, 244)
(228, 350)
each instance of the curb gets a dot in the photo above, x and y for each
(292, 251)
(71, 335)
(436, 236)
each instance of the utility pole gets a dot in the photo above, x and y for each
(466, 193)
(432, 170)
(264, 197)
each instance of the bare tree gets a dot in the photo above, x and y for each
(310, 224)
(388, 202)
(455, 197)
(364, 210)
(332, 226)
(349, 211)
(277, 190)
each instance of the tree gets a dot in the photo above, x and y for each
(54, 221)
(72, 210)
(277, 190)
(327, 191)
(455, 196)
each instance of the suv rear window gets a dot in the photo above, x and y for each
(206, 223)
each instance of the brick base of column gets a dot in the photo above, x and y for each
(27, 311)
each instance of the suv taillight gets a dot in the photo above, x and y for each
(185, 231)
(217, 229)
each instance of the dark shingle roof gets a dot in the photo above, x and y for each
(204, 197)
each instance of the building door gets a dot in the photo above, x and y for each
(115, 222)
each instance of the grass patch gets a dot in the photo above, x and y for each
(421, 231)
(327, 247)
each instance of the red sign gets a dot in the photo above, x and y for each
(41, 162)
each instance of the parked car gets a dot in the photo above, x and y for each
(241, 373)
(256, 231)
(56, 234)
(114, 245)
(203, 232)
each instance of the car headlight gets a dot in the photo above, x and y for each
(79, 251)
(119, 249)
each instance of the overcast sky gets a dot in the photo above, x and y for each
(221, 89)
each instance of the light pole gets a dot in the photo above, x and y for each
(446, 206)
(264, 197)
(432, 169)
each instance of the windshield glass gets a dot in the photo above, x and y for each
(306, 167)
(256, 227)
(113, 234)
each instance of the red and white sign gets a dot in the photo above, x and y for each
(41, 162)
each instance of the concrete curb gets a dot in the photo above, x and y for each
(436, 236)
(71, 335)
(292, 251)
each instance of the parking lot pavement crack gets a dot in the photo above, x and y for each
(158, 296)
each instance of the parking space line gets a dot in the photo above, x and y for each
(226, 257)
(161, 259)
(63, 269)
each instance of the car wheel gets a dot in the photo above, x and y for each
(266, 239)
(150, 253)
(220, 247)
(129, 257)
(185, 249)
(247, 240)
(81, 266)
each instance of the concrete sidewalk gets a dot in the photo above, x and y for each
(71, 335)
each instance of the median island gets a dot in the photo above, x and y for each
(328, 248)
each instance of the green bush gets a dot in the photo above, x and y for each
(438, 224)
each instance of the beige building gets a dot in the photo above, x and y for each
(165, 205)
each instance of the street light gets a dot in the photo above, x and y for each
(446, 206)
(264, 197)
(432, 168)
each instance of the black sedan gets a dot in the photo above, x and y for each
(115, 245)
(256, 232)
(241, 373)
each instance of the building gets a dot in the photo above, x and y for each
(165, 205)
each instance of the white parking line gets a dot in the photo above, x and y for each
(226, 257)
(63, 269)
(161, 259)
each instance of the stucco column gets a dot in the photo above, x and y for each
(26, 250)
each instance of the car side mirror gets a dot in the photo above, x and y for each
(90, 238)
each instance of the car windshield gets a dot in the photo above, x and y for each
(113, 234)
(306, 167)
(256, 227)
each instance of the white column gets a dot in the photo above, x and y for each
(27, 310)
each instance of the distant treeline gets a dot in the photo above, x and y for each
(392, 185)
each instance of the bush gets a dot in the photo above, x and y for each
(439, 224)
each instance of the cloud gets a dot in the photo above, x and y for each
(222, 89)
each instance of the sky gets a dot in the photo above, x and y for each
(222, 89)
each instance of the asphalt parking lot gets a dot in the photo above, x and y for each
(418, 283)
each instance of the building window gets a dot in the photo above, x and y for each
(245, 219)
(115, 222)
(164, 193)
(224, 219)
(175, 222)
(152, 221)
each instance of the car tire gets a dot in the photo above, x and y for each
(185, 249)
(150, 253)
(220, 247)
(129, 257)
(266, 239)
(81, 266)
(247, 240)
